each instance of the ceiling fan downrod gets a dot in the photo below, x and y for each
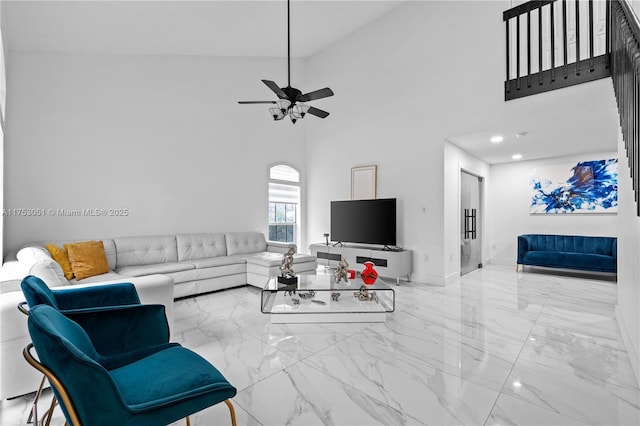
(288, 43)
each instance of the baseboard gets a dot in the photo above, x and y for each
(634, 355)
(501, 262)
(452, 278)
(428, 279)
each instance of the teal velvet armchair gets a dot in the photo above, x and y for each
(74, 301)
(149, 382)
(78, 303)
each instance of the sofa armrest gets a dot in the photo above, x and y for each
(280, 247)
(523, 248)
(119, 329)
(614, 248)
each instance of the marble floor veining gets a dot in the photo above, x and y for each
(497, 347)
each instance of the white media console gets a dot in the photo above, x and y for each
(388, 263)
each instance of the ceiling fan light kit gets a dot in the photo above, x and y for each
(290, 100)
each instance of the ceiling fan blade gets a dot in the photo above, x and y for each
(317, 112)
(256, 102)
(318, 94)
(274, 87)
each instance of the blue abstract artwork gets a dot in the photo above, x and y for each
(587, 187)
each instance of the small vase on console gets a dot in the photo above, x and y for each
(368, 274)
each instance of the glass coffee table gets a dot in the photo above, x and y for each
(317, 298)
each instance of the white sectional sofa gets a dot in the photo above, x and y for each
(162, 267)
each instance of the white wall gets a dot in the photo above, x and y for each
(627, 312)
(417, 76)
(508, 208)
(162, 137)
(399, 101)
(4, 47)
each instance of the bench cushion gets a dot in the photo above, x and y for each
(584, 261)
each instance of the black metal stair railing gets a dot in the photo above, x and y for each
(625, 72)
(561, 47)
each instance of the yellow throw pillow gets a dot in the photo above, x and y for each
(60, 256)
(87, 259)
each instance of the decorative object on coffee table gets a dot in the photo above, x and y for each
(366, 296)
(341, 272)
(308, 295)
(287, 274)
(368, 274)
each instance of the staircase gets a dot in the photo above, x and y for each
(625, 72)
(551, 44)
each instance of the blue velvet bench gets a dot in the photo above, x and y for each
(597, 254)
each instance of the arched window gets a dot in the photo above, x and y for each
(284, 204)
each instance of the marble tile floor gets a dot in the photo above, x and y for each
(497, 347)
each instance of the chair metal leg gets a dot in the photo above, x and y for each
(188, 421)
(232, 411)
(36, 398)
(49, 414)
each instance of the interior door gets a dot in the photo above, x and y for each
(470, 236)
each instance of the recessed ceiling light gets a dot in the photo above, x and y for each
(516, 156)
(496, 139)
(522, 135)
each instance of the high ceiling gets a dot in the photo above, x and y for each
(258, 28)
(211, 28)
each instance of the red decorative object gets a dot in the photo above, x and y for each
(368, 274)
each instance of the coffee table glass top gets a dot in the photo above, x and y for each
(321, 294)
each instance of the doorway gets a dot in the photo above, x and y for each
(471, 218)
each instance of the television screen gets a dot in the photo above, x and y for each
(364, 221)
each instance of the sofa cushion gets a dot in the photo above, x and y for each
(200, 246)
(146, 250)
(87, 259)
(32, 253)
(571, 243)
(214, 262)
(102, 278)
(158, 268)
(59, 254)
(245, 242)
(49, 271)
(207, 273)
(583, 261)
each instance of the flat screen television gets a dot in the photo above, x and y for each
(364, 221)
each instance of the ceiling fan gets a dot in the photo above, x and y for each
(290, 100)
